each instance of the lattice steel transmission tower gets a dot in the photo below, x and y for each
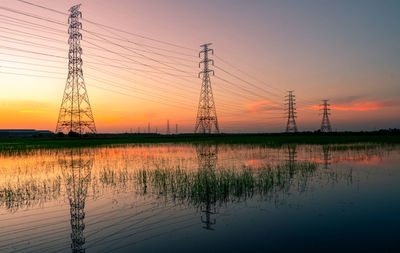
(291, 113)
(206, 119)
(168, 130)
(326, 124)
(75, 111)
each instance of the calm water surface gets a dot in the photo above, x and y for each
(201, 198)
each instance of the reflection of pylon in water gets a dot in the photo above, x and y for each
(207, 157)
(76, 171)
(327, 156)
(291, 156)
(207, 220)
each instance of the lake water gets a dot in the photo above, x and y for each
(201, 198)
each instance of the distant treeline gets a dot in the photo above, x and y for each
(390, 136)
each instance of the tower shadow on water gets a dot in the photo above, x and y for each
(207, 155)
(77, 168)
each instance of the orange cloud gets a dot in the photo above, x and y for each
(360, 107)
(262, 106)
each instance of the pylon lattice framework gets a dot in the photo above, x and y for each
(206, 119)
(326, 124)
(291, 126)
(75, 111)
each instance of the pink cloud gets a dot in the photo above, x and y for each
(262, 106)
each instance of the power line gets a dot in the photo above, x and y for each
(124, 47)
(238, 69)
(164, 64)
(242, 88)
(113, 28)
(253, 85)
(30, 75)
(33, 16)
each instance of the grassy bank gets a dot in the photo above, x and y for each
(256, 139)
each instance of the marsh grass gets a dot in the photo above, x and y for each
(219, 185)
(29, 194)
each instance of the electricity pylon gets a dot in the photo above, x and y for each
(168, 130)
(206, 118)
(326, 124)
(75, 111)
(77, 172)
(291, 110)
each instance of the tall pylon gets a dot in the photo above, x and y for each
(291, 113)
(206, 118)
(326, 124)
(75, 111)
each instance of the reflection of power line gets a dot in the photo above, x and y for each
(207, 155)
(77, 172)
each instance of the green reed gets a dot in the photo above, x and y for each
(220, 185)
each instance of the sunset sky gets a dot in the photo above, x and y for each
(345, 51)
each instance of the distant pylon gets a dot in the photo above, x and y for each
(176, 128)
(75, 112)
(206, 114)
(168, 130)
(326, 124)
(291, 121)
(148, 128)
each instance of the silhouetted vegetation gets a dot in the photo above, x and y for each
(63, 141)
